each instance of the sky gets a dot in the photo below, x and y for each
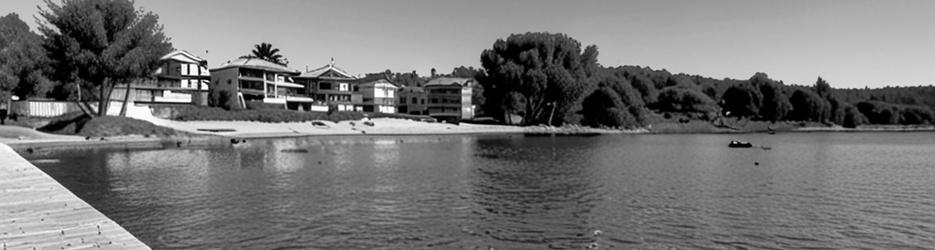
(851, 44)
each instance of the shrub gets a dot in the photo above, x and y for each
(742, 100)
(604, 108)
(852, 117)
(808, 106)
(675, 99)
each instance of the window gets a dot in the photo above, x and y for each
(228, 81)
(324, 85)
(342, 87)
(402, 100)
(415, 101)
(356, 88)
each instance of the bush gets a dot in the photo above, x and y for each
(742, 100)
(675, 99)
(879, 112)
(808, 106)
(604, 108)
(915, 115)
(852, 117)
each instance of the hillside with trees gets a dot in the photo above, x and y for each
(536, 76)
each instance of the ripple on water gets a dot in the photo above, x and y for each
(465, 192)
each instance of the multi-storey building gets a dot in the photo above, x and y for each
(182, 78)
(449, 98)
(330, 86)
(252, 82)
(412, 100)
(374, 95)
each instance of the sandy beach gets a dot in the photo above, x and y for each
(379, 126)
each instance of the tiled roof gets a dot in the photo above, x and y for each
(256, 63)
(183, 56)
(449, 81)
(324, 69)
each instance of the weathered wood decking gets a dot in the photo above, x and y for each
(36, 212)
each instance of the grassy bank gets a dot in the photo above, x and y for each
(105, 126)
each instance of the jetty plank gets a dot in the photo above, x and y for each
(36, 212)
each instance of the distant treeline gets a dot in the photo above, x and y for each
(547, 78)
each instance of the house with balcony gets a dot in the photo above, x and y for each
(257, 83)
(182, 78)
(449, 98)
(330, 86)
(374, 94)
(412, 100)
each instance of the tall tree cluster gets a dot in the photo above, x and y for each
(23, 61)
(98, 44)
(527, 73)
(540, 77)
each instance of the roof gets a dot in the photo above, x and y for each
(183, 56)
(256, 63)
(447, 81)
(375, 81)
(323, 72)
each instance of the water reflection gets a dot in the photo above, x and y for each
(512, 192)
(533, 194)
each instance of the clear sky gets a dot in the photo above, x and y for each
(853, 43)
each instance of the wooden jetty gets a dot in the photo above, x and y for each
(36, 212)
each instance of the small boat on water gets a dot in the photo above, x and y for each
(739, 144)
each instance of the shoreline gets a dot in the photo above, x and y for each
(226, 133)
(30, 146)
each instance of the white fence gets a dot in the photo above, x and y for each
(39, 108)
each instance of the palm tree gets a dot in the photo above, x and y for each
(266, 51)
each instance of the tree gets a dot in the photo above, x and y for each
(646, 88)
(675, 99)
(604, 107)
(98, 44)
(852, 117)
(466, 72)
(23, 60)
(741, 100)
(266, 52)
(808, 106)
(822, 88)
(545, 69)
(775, 104)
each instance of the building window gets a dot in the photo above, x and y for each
(402, 100)
(228, 81)
(342, 87)
(415, 100)
(324, 86)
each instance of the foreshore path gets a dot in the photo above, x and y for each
(36, 212)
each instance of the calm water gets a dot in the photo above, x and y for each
(812, 190)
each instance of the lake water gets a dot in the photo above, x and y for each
(811, 190)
